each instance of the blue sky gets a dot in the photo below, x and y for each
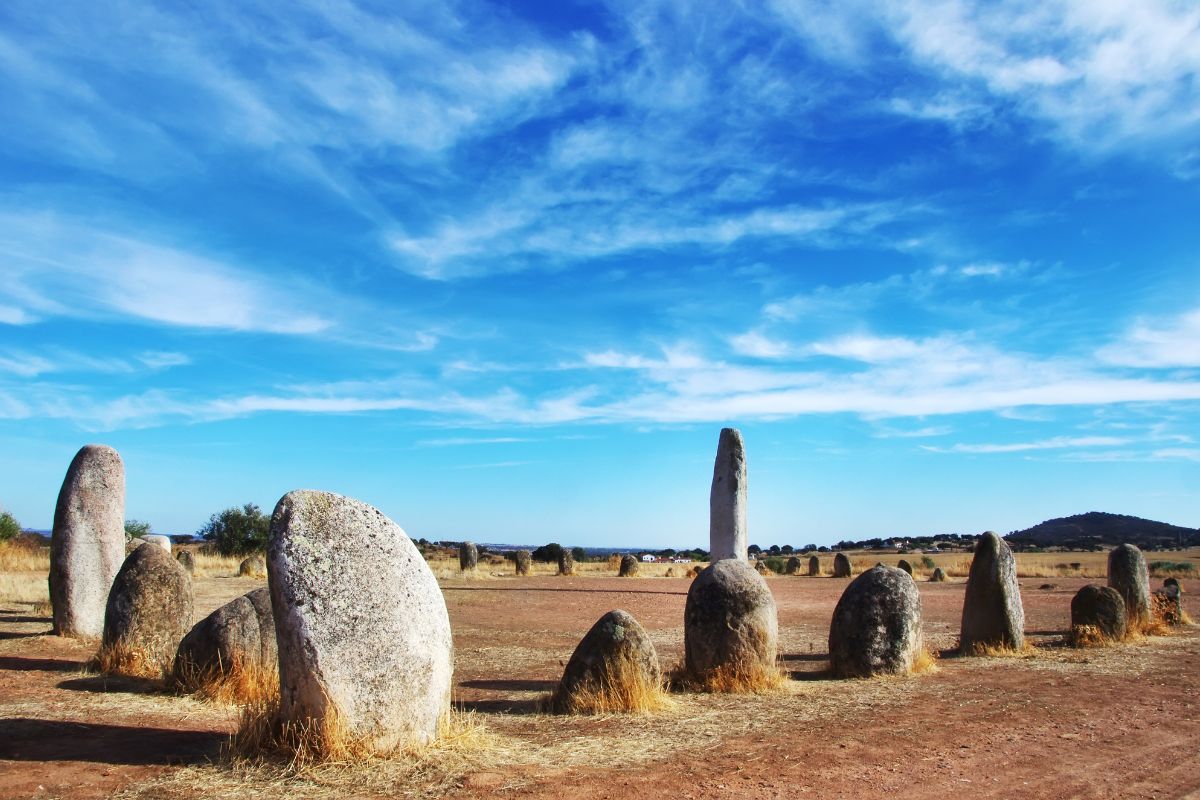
(505, 270)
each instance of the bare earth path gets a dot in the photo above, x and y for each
(1120, 722)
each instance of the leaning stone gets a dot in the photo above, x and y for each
(253, 567)
(186, 560)
(87, 544)
(938, 576)
(727, 537)
(566, 562)
(522, 560)
(1127, 574)
(731, 631)
(363, 633)
(468, 557)
(1097, 614)
(792, 567)
(992, 612)
(841, 566)
(158, 539)
(238, 636)
(614, 668)
(814, 566)
(876, 628)
(904, 565)
(629, 567)
(149, 611)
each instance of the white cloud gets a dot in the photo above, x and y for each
(1170, 342)
(465, 441)
(1055, 443)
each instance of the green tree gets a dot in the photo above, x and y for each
(9, 527)
(136, 529)
(578, 554)
(238, 531)
(547, 553)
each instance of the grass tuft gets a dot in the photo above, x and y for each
(242, 683)
(729, 679)
(627, 691)
(926, 662)
(991, 650)
(120, 658)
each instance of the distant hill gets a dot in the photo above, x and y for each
(1097, 529)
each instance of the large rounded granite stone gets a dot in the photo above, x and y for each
(1097, 612)
(238, 635)
(614, 668)
(149, 610)
(1127, 573)
(730, 624)
(361, 623)
(876, 627)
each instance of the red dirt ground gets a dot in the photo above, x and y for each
(1118, 722)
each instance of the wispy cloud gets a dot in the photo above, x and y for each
(58, 360)
(467, 441)
(1055, 443)
(1172, 342)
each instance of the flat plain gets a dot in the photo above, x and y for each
(1117, 721)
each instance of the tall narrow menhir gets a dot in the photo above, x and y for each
(87, 544)
(727, 536)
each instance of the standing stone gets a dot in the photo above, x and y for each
(629, 567)
(614, 668)
(468, 557)
(814, 566)
(841, 566)
(522, 560)
(670, 573)
(876, 627)
(186, 560)
(87, 544)
(566, 562)
(727, 537)
(149, 611)
(761, 567)
(158, 539)
(904, 565)
(730, 627)
(992, 613)
(793, 566)
(363, 633)
(254, 566)
(938, 576)
(1127, 573)
(1097, 612)
(239, 635)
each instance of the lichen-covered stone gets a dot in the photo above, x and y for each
(253, 567)
(87, 544)
(938, 575)
(629, 567)
(727, 536)
(238, 635)
(613, 668)
(468, 557)
(904, 565)
(566, 562)
(150, 607)
(792, 567)
(1127, 573)
(522, 560)
(1167, 604)
(814, 566)
(841, 566)
(876, 627)
(186, 560)
(730, 622)
(1100, 609)
(992, 612)
(361, 623)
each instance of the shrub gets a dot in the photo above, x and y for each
(136, 529)
(1160, 568)
(927, 562)
(548, 553)
(9, 527)
(238, 531)
(776, 565)
(578, 554)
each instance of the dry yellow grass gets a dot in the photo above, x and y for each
(622, 691)
(739, 678)
(241, 683)
(212, 565)
(925, 663)
(980, 649)
(118, 658)
(445, 567)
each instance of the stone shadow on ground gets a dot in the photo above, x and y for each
(104, 684)
(28, 739)
(17, 664)
(21, 635)
(506, 706)
(820, 660)
(511, 685)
